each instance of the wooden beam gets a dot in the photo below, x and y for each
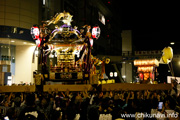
(67, 87)
(132, 86)
(26, 88)
(105, 87)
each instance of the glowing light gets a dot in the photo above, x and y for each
(146, 62)
(51, 56)
(77, 52)
(9, 82)
(172, 43)
(55, 54)
(123, 76)
(36, 52)
(44, 2)
(60, 29)
(111, 74)
(102, 18)
(91, 42)
(145, 69)
(115, 74)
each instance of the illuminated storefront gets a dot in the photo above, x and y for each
(16, 61)
(16, 44)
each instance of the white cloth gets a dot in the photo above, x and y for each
(91, 100)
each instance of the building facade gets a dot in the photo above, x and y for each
(16, 43)
(18, 16)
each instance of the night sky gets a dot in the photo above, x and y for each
(154, 24)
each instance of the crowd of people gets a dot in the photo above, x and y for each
(89, 105)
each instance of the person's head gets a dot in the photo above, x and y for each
(30, 99)
(44, 102)
(111, 94)
(101, 94)
(17, 101)
(154, 94)
(6, 104)
(174, 82)
(93, 113)
(134, 103)
(11, 113)
(154, 103)
(13, 95)
(170, 102)
(145, 93)
(56, 115)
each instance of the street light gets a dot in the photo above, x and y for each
(172, 43)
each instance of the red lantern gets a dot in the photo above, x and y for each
(96, 32)
(35, 35)
(35, 32)
(141, 76)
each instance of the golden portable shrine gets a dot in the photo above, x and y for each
(65, 52)
(147, 69)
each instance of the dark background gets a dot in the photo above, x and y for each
(154, 24)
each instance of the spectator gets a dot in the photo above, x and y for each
(71, 109)
(93, 113)
(11, 114)
(67, 105)
(174, 90)
(30, 112)
(84, 108)
(170, 105)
